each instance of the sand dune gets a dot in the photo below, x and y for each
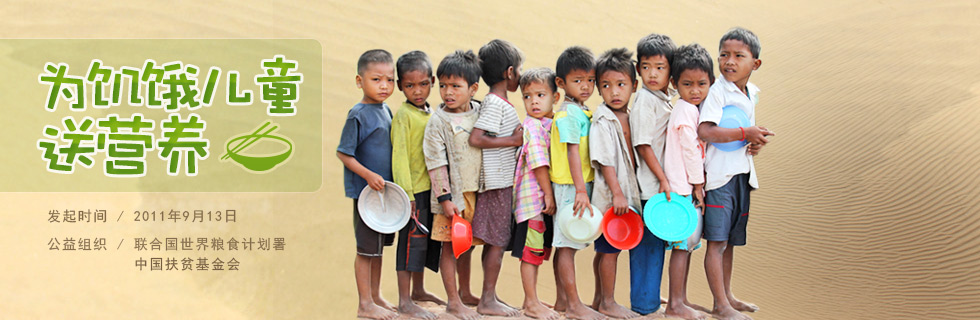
(868, 200)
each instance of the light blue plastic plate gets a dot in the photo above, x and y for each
(675, 220)
(732, 117)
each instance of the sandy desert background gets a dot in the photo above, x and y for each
(868, 200)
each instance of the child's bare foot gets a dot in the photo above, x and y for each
(427, 296)
(663, 300)
(680, 310)
(461, 311)
(469, 299)
(373, 311)
(615, 310)
(561, 305)
(381, 302)
(538, 310)
(583, 312)
(743, 306)
(493, 307)
(696, 307)
(415, 311)
(546, 304)
(728, 313)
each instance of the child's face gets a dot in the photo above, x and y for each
(735, 62)
(692, 85)
(377, 81)
(615, 89)
(654, 72)
(514, 82)
(578, 84)
(538, 99)
(416, 85)
(456, 93)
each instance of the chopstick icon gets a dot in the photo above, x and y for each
(255, 136)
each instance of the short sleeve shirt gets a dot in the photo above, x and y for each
(571, 126)
(720, 166)
(528, 196)
(609, 148)
(684, 152)
(499, 119)
(366, 137)
(648, 122)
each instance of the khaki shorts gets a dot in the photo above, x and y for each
(441, 225)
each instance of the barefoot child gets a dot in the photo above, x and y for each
(535, 201)
(365, 150)
(648, 123)
(415, 250)
(571, 170)
(730, 175)
(454, 166)
(612, 155)
(497, 132)
(691, 72)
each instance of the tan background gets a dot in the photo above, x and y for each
(868, 200)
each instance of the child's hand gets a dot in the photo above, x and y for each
(620, 206)
(549, 205)
(517, 138)
(413, 207)
(699, 197)
(753, 149)
(582, 204)
(449, 209)
(375, 181)
(665, 189)
(757, 135)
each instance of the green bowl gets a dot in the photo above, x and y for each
(259, 163)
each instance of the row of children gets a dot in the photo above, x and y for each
(479, 161)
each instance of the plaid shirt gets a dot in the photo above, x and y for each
(528, 196)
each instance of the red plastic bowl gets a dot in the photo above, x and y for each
(462, 235)
(622, 232)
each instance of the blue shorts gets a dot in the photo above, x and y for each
(726, 212)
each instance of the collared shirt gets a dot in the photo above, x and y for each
(684, 152)
(648, 122)
(366, 137)
(528, 196)
(407, 159)
(499, 119)
(446, 143)
(571, 126)
(721, 166)
(609, 148)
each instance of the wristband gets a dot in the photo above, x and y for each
(743, 132)
(444, 197)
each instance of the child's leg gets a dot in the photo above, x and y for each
(489, 302)
(565, 258)
(447, 265)
(607, 274)
(405, 304)
(366, 306)
(677, 274)
(687, 272)
(714, 270)
(418, 289)
(376, 284)
(532, 304)
(561, 300)
(597, 296)
(739, 305)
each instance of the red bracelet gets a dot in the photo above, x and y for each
(743, 132)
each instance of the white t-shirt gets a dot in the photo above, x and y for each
(721, 166)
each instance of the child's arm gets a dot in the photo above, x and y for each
(544, 181)
(620, 206)
(442, 190)
(582, 201)
(711, 132)
(480, 139)
(373, 179)
(693, 157)
(400, 171)
(646, 151)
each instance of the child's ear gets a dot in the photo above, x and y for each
(634, 85)
(473, 89)
(560, 83)
(357, 80)
(432, 80)
(509, 73)
(758, 63)
(399, 83)
(555, 97)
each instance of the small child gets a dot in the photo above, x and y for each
(648, 123)
(454, 167)
(571, 170)
(612, 156)
(365, 150)
(730, 176)
(534, 200)
(498, 133)
(691, 72)
(415, 250)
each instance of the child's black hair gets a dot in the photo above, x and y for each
(413, 61)
(692, 57)
(656, 45)
(574, 58)
(495, 57)
(372, 56)
(463, 64)
(540, 75)
(619, 60)
(745, 36)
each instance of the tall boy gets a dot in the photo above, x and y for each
(648, 121)
(454, 166)
(534, 200)
(730, 176)
(571, 170)
(691, 74)
(612, 155)
(416, 250)
(365, 150)
(497, 132)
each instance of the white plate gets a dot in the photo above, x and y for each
(385, 211)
